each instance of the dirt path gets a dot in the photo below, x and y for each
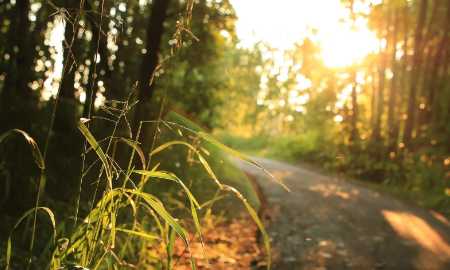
(326, 223)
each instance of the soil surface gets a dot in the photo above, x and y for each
(326, 223)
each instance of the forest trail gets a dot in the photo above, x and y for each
(327, 223)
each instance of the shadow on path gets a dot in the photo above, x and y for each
(326, 223)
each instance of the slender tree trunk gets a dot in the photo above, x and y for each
(373, 100)
(404, 64)
(354, 131)
(427, 76)
(17, 105)
(393, 126)
(154, 35)
(415, 72)
(381, 84)
(440, 62)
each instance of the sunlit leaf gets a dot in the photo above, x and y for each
(202, 160)
(231, 151)
(138, 233)
(94, 144)
(261, 228)
(164, 214)
(167, 176)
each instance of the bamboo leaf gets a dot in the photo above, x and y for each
(34, 148)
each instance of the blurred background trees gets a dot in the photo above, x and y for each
(380, 116)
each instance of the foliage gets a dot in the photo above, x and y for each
(380, 118)
(86, 61)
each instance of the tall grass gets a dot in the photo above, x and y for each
(94, 243)
(118, 231)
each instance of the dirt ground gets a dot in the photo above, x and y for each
(326, 223)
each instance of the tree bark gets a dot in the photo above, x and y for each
(427, 75)
(155, 31)
(415, 72)
(17, 105)
(354, 131)
(381, 84)
(393, 127)
(440, 62)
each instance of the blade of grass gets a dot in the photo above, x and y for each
(197, 226)
(202, 160)
(34, 148)
(261, 228)
(255, 218)
(164, 214)
(138, 233)
(170, 246)
(167, 176)
(52, 218)
(229, 150)
(94, 144)
(212, 201)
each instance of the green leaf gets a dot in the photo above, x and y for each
(170, 246)
(8, 253)
(164, 214)
(34, 148)
(138, 233)
(113, 229)
(94, 144)
(167, 176)
(56, 259)
(197, 226)
(202, 160)
(162, 175)
(261, 228)
(212, 201)
(237, 154)
(231, 151)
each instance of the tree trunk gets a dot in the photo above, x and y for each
(393, 126)
(427, 75)
(154, 35)
(415, 72)
(354, 131)
(381, 84)
(17, 105)
(436, 84)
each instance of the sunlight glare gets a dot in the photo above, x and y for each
(291, 21)
(344, 46)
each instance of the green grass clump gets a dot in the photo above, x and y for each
(125, 220)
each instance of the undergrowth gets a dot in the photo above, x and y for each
(418, 177)
(126, 226)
